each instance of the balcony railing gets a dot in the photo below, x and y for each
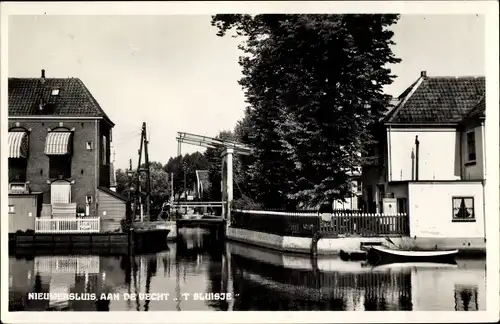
(64, 225)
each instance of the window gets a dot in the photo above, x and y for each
(59, 166)
(471, 147)
(17, 169)
(12, 209)
(55, 92)
(463, 209)
(104, 151)
(88, 146)
(359, 186)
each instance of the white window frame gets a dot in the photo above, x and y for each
(469, 209)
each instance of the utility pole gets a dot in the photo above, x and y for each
(148, 176)
(172, 187)
(139, 171)
(185, 181)
(131, 193)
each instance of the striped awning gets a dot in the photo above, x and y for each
(58, 143)
(18, 144)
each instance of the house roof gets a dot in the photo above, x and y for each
(113, 194)
(73, 99)
(437, 100)
(479, 110)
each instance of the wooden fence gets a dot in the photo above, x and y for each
(67, 225)
(365, 224)
(338, 224)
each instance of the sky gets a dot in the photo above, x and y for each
(175, 74)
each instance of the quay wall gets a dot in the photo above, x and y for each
(333, 246)
(137, 240)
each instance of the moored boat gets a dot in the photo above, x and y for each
(384, 255)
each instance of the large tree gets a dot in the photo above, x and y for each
(314, 85)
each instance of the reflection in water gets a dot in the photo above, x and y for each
(259, 279)
(466, 298)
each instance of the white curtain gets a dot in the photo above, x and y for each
(60, 192)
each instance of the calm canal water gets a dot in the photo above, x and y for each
(254, 278)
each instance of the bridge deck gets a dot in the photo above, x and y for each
(200, 222)
(195, 205)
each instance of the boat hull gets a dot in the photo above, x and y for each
(384, 256)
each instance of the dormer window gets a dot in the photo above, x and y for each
(55, 92)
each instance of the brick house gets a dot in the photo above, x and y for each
(59, 157)
(432, 160)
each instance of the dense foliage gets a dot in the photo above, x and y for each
(314, 87)
(161, 179)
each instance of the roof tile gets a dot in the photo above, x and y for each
(439, 100)
(73, 100)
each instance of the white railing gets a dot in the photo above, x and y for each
(65, 225)
(67, 264)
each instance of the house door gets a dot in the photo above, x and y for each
(60, 192)
(371, 205)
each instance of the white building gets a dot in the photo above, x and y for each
(432, 159)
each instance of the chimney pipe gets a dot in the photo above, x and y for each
(43, 74)
(423, 74)
(417, 156)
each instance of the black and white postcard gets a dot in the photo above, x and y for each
(249, 162)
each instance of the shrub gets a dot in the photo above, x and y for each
(125, 224)
(246, 203)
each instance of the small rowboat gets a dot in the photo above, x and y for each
(383, 255)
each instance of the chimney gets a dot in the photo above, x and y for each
(423, 74)
(42, 79)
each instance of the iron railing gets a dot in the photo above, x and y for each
(279, 223)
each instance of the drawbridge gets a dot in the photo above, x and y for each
(229, 149)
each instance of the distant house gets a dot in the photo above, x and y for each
(59, 159)
(432, 158)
